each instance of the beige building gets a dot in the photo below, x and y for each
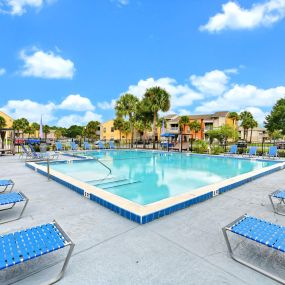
(257, 134)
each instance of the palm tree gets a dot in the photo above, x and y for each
(119, 125)
(159, 100)
(126, 128)
(29, 130)
(253, 124)
(127, 106)
(2, 132)
(90, 131)
(246, 118)
(195, 126)
(183, 122)
(36, 128)
(46, 130)
(235, 118)
(20, 125)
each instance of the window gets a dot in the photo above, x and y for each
(104, 130)
(112, 129)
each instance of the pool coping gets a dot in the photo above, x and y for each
(146, 213)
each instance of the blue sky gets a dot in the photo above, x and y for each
(70, 61)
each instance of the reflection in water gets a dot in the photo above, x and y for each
(149, 177)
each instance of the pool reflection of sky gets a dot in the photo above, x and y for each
(157, 176)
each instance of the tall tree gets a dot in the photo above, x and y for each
(183, 122)
(74, 131)
(20, 125)
(36, 128)
(90, 131)
(119, 125)
(234, 116)
(195, 126)
(126, 128)
(46, 130)
(29, 130)
(246, 120)
(2, 132)
(252, 124)
(275, 121)
(158, 100)
(127, 106)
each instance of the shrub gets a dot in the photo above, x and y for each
(217, 149)
(200, 146)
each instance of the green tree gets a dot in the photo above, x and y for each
(195, 126)
(20, 125)
(127, 106)
(2, 132)
(222, 134)
(145, 116)
(90, 131)
(159, 100)
(36, 128)
(126, 128)
(74, 131)
(58, 134)
(183, 122)
(119, 125)
(29, 130)
(252, 124)
(46, 130)
(246, 121)
(234, 116)
(275, 121)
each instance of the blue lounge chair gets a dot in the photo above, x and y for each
(233, 150)
(73, 146)
(26, 153)
(101, 145)
(112, 145)
(278, 196)
(7, 184)
(272, 152)
(260, 231)
(58, 146)
(22, 246)
(42, 155)
(8, 201)
(87, 146)
(252, 151)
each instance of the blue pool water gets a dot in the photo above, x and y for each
(147, 177)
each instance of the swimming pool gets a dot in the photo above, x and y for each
(146, 185)
(148, 177)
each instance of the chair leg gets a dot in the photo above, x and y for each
(275, 210)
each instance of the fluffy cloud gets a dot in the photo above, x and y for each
(75, 119)
(19, 7)
(107, 105)
(30, 110)
(50, 111)
(2, 71)
(46, 65)
(76, 103)
(234, 17)
(213, 82)
(257, 113)
(181, 95)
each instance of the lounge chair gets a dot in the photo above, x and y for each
(73, 146)
(177, 147)
(252, 151)
(86, 146)
(7, 184)
(272, 152)
(8, 201)
(101, 145)
(26, 153)
(233, 150)
(42, 155)
(278, 195)
(259, 231)
(58, 146)
(112, 145)
(22, 246)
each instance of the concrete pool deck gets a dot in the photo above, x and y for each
(186, 247)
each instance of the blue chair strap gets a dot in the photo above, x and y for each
(28, 244)
(261, 231)
(11, 198)
(279, 195)
(6, 182)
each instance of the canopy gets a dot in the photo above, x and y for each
(168, 135)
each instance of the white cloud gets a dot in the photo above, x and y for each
(212, 83)
(46, 65)
(107, 105)
(257, 113)
(75, 119)
(2, 71)
(234, 17)
(75, 102)
(19, 7)
(30, 109)
(181, 95)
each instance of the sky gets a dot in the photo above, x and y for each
(70, 60)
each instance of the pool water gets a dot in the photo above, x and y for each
(147, 177)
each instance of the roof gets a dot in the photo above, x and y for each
(175, 118)
(220, 114)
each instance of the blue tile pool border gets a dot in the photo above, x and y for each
(157, 214)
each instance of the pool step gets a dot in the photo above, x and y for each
(115, 183)
(94, 181)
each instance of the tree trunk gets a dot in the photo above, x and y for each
(154, 129)
(250, 135)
